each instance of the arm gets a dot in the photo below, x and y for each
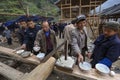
(112, 55)
(38, 38)
(26, 39)
(75, 47)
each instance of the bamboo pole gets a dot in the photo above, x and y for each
(70, 10)
(61, 11)
(80, 7)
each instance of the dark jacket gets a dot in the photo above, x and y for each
(21, 35)
(30, 37)
(108, 48)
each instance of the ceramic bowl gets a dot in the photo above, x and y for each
(19, 52)
(85, 66)
(40, 55)
(103, 69)
(36, 48)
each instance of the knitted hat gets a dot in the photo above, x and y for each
(112, 25)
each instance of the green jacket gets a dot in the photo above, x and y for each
(41, 40)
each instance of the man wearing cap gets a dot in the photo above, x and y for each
(107, 45)
(79, 38)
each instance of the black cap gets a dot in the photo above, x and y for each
(112, 25)
(81, 18)
(74, 21)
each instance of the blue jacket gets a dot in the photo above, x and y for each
(106, 50)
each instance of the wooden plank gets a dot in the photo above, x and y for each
(32, 59)
(91, 75)
(9, 72)
(53, 52)
(42, 71)
(11, 14)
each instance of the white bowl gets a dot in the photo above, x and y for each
(86, 66)
(102, 68)
(19, 51)
(40, 55)
(36, 48)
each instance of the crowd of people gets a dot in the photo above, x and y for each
(105, 48)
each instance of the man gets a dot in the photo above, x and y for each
(46, 39)
(107, 45)
(30, 35)
(8, 35)
(67, 32)
(79, 38)
(22, 31)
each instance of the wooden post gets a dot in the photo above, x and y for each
(9, 72)
(80, 7)
(42, 71)
(61, 11)
(70, 10)
(89, 11)
(27, 11)
(66, 49)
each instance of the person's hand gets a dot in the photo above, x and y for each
(80, 58)
(89, 55)
(23, 46)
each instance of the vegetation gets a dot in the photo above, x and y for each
(36, 7)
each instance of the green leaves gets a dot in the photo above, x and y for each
(38, 7)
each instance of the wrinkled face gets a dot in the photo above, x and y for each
(31, 24)
(45, 26)
(81, 24)
(23, 24)
(109, 32)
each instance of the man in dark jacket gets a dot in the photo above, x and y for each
(22, 31)
(107, 45)
(30, 35)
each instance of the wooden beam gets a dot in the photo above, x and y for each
(9, 72)
(95, 2)
(80, 4)
(70, 10)
(89, 5)
(90, 75)
(10, 52)
(61, 11)
(52, 53)
(11, 14)
(70, 7)
(42, 71)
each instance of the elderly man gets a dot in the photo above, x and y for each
(79, 38)
(107, 45)
(46, 38)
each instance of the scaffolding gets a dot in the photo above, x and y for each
(69, 9)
